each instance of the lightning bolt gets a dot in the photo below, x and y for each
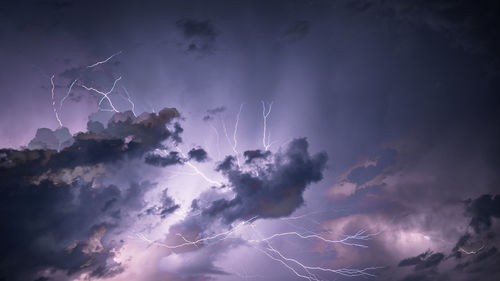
(104, 61)
(293, 265)
(67, 94)
(105, 95)
(234, 143)
(129, 100)
(266, 138)
(196, 170)
(54, 101)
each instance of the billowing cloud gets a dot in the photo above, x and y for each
(57, 214)
(272, 189)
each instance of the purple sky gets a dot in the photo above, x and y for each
(378, 159)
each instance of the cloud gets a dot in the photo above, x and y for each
(172, 158)
(273, 189)
(167, 206)
(56, 213)
(252, 155)
(423, 261)
(47, 139)
(482, 210)
(200, 35)
(211, 113)
(198, 154)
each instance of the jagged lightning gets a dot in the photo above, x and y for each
(54, 101)
(266, 137)
(104, 61)
(196, 170)
(67, 94)
(105, 95)
(129, 99)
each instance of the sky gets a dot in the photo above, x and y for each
(249, 140)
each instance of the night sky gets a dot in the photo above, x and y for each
(249, 140)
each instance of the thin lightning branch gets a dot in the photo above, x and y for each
(266, 138)
(236, 129)
(197, 171)
(104, 61)
(217, 139)
(343, 271)
(129, 100)
(67, 94)
(105, 95)
(54, 101)
(290, 263)
(222, 235)
(357, 236)
(234, 143)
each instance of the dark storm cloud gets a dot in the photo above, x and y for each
(472, 25)
(172, 158)
(124, 136)
(423, 261)
(482, 210)
(276, 190)
(167, 206)
(45, 226)
(200, 34)
(198, 154)
(252, 155)
(53, 217)
(212, 112)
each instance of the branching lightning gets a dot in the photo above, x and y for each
(234, 143)
(105, 95)
(129, 100)
(262, 244)
(266, 137)
(257, 241)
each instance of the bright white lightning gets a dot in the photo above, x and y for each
(105, 95)
(104, 61)
(197, 171)
(308, 269)
(266, 137)
(128, 98)
(222, 235)
(54, 101)
(357, 236)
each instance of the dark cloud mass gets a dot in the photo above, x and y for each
(482, 210)
(276, 190)
(56, 214)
